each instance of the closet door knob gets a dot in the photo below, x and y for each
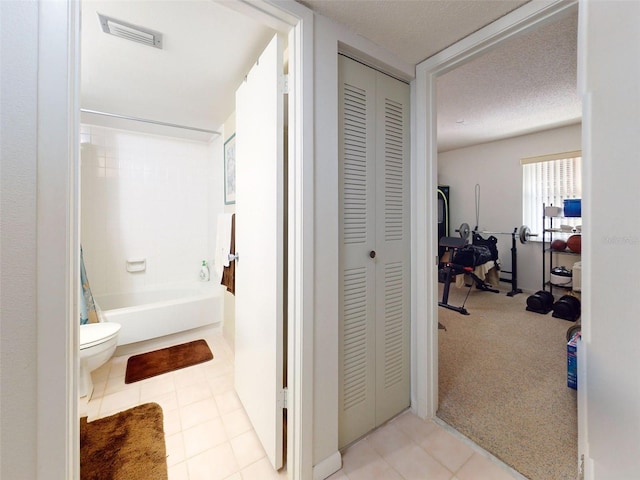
(372, 254)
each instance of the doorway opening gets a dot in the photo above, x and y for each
(289, 23)
(431, 73)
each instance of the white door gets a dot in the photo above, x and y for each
(374, 249)
(259, 243)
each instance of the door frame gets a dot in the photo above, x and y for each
(58, 254)
(424, 173)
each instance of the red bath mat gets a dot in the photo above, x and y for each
(147, 365)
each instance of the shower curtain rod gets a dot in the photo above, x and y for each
(144, 120)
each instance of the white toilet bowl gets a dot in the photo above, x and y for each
(97, 343)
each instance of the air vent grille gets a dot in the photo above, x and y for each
(129, 31)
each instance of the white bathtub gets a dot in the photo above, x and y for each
(151, 314)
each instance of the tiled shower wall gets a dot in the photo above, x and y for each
(147, 197)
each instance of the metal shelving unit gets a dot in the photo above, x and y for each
(547, 250)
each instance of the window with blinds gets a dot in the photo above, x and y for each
(549, 180)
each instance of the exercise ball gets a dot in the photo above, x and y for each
(559, 245)
(574, 243)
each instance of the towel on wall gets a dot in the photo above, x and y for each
(229, 271)
(223, 243)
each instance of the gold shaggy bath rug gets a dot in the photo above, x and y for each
(126, 446)
(150, 364)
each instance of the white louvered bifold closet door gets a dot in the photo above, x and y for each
(393, 267)
(374, 304)
(357, 270)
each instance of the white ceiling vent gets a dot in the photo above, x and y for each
(130, 32)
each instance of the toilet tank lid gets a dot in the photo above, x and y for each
(91, 333)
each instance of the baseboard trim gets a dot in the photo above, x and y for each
(327, 467)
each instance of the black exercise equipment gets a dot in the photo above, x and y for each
(540, 302)
(514, 260)
(443, 215)
(469, 258)
(523, 234)
(567, 308)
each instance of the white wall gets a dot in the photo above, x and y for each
(495, 166)
(38, 414)
(18, 150)
(327, 36)
(610, 49)
(147, 196)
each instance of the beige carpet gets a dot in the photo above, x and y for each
(129, 445)
(503, 383)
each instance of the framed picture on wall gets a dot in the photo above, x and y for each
(230, 170)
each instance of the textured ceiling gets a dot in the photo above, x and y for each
(414, 29)
(526, 84)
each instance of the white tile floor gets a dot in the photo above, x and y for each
(412, 449)
(209, 436)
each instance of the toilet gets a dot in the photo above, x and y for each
(97, 343)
